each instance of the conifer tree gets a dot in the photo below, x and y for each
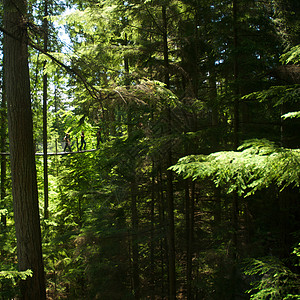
(24, 180)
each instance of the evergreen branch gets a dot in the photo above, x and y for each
(256, 165)
(294, 114)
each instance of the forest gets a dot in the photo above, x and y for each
(150, 149)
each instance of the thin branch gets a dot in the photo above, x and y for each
(92, 91)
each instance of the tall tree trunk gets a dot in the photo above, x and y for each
(189, 228)
(45, 99)
(170, 194)
(162, 223)
(23, 170)
(152, 243)
(135, 246)
(235, 200)
(236, 110)
(212, 82)
(133, 193)
(235, 74)
(191, 234)
(3, 138)
(165, 46)
(188, 241)
(134, 214)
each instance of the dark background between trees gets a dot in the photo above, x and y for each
(162, 80)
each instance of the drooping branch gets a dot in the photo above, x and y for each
(94, 93)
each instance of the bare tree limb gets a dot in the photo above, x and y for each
(94, 93)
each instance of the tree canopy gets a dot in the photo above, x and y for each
(189, 185)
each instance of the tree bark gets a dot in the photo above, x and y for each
(135, 246)
(188, 241)
(162, 223)
(235, 75)
(152, 242)
(235, 199)
(3, 157)
(23, 170)
(170, 193)
(45, 99)
(134, 215)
